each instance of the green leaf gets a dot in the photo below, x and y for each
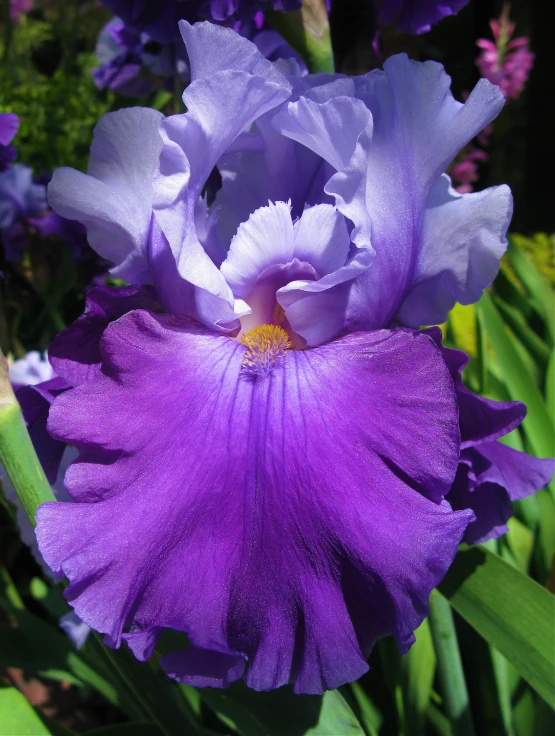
(367, 713)
(550, 386)
(136, 728)
(537, 425)
(336, 717)
(18, 715)
(232, 714)
(40, 648)
(509, 609)
(539, 291)
(17, 453)
(450, 671)
(417, 674)
(282, 713)
(307, 31)
(520, 541)
(514, 318)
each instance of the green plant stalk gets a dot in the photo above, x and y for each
(17, 453)
(307, 31)
(450, 670)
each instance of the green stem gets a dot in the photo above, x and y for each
(17, 453)
(307, 31)
(450, 670)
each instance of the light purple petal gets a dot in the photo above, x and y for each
(232, 85)
(223, 505)
(418, 129)
(316, 309)
(30, 370)
(462, 242)
(266, 239)
(305, 266)
(331, 129)
(76, 629)
(114, 199)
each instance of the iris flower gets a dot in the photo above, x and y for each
(266, 438)
(9, 125)
(159, 19)
(417, 16)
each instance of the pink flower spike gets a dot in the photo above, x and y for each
(505, 63)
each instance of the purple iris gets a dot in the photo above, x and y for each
(417, 16)
(129, 60)
(9, 125)
(20, 199)
(159, 19)
(266, 439)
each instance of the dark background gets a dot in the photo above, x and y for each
(522, 150)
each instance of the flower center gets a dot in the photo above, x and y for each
(266, 347)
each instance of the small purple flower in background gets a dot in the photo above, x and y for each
(130, 61)
(9, 125)
(18, 8)
(505, 63)
(20, 199)
(417, 16)
(159, 19)
(267, 441)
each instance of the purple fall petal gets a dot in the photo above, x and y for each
(490, 474)
(75, 353)
(277, 539)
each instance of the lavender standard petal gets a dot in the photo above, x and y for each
(114, 199)
(232, 85)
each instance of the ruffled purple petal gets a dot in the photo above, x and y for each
(489, 478)
(480, 419)
(232, 85)
(114, 199)
(35, 401)
(489, 502)
(222, 504)
(520, 474)
(75, 353)
(490, 474)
